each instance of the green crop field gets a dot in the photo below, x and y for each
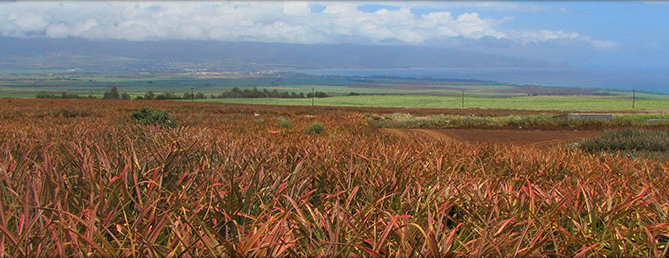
(533, 102)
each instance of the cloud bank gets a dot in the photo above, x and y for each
(287, 22)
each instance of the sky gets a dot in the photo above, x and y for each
(616, 33)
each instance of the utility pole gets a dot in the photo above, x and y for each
(633, 97)
(463, 99)
(313, 95)
(192, 97)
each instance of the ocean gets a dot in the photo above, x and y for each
(641, 79)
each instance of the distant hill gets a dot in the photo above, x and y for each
(169, 56)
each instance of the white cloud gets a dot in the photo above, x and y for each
(296, 8)
(544, 35)
(484, 5)
(604, 44)
(288, 21)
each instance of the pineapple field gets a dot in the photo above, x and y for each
(109, 178)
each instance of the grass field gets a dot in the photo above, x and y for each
(533, 102)
(82, 178)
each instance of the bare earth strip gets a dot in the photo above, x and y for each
(422, 134)
(498, 136)
(434, 134)
(399, 133)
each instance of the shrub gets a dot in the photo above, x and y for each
(529, 121)
(628, 139)
(148, 116)
(284, 122)
(45, 95)
(316, 128)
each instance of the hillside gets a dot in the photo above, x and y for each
(174, 56)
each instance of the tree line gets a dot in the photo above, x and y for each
(255, 93)
(149, 95)
(113, 93)
(64, 95)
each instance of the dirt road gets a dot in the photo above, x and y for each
(498, 136)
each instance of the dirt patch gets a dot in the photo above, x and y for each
(498, 136)
(433, 134)
(520, 137)
(399, 133)
(421, 134)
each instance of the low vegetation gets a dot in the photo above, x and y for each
(63, 95)
(149, 116)
(316, 128)
(226, 186)
(400, 120)
(285, 122)
(629, 140)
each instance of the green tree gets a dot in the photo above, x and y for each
(125, 96)
(149, 95)
(111, 94)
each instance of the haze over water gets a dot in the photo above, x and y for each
(642, 79)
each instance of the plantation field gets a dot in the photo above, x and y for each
(372, 91)
(82, 178)
(27, 85)
(588, 103)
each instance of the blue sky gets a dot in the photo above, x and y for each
(639, 28)
(617, 33)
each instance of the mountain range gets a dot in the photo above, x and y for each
(174, 56)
